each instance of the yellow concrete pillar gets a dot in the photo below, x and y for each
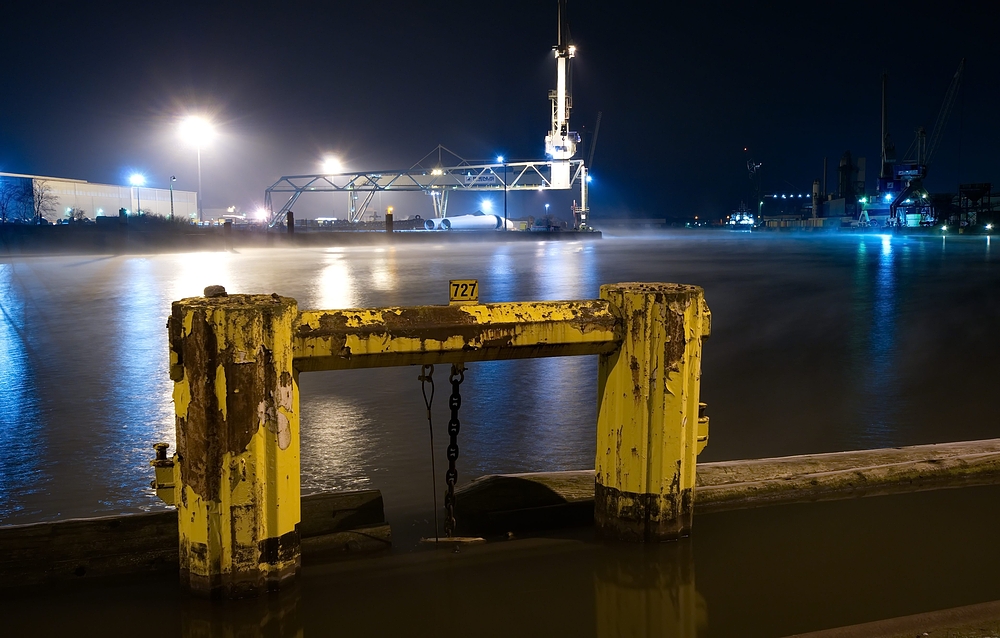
(237, 417)
(647, 414)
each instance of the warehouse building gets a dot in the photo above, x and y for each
(25, 197)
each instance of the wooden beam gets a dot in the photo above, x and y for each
(377, 337)
(508, 502)
(55, 551)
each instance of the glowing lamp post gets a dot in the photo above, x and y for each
(197, 132)
(331, 166)
(172, 180)
(500, 160)
(137, 180)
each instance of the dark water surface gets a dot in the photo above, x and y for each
(766, 572)
(820, 343)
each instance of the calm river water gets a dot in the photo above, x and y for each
(820, 343)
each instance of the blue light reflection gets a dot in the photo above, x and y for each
(874, 342)
(140, 408)
(21, 427)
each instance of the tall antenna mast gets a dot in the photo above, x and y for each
(560, 143)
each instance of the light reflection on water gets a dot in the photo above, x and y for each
(187, 273)
(335, 285)
(819, 343)
(22, 433)
(876, 325)
(138, 404)
(337, 435)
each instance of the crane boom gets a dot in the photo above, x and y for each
(942, 117)
(593, 141)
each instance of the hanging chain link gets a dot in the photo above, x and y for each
(454, 425)
(426, 378)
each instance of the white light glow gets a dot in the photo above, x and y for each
(332, 166)
(335, 286)
(137, 179)
(486, 205)
(196, 131)
(499, 159)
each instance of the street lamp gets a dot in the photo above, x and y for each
(500, 159)
(197, 131)
(332, 166)
(172, 180)
(137, 180)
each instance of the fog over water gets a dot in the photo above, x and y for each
(820, 343)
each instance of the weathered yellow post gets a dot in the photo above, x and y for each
(237, 462)
(647, 412)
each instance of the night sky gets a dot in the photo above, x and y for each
(95, 90)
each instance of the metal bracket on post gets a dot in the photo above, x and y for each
(164, 469)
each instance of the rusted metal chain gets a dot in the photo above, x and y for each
(454, 426)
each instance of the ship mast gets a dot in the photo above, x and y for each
(888, 149)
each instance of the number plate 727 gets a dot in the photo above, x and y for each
(463, 291)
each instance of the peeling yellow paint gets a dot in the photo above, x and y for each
(245, 531)
(182, 398)
(648, 396)
(220, 388)
(239, 529)
(354, 338)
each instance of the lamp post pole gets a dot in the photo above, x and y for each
(197, 131)
(172, 180)
(137, 180)
(505, 194)
(200, 217)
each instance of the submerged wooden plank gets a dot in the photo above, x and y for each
(340, 511)
(131, 543)
(544, 499)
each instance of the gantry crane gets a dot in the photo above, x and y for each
(913, 169)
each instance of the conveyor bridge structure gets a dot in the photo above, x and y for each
(437, 181)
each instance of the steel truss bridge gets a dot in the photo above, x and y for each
(437, 181)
